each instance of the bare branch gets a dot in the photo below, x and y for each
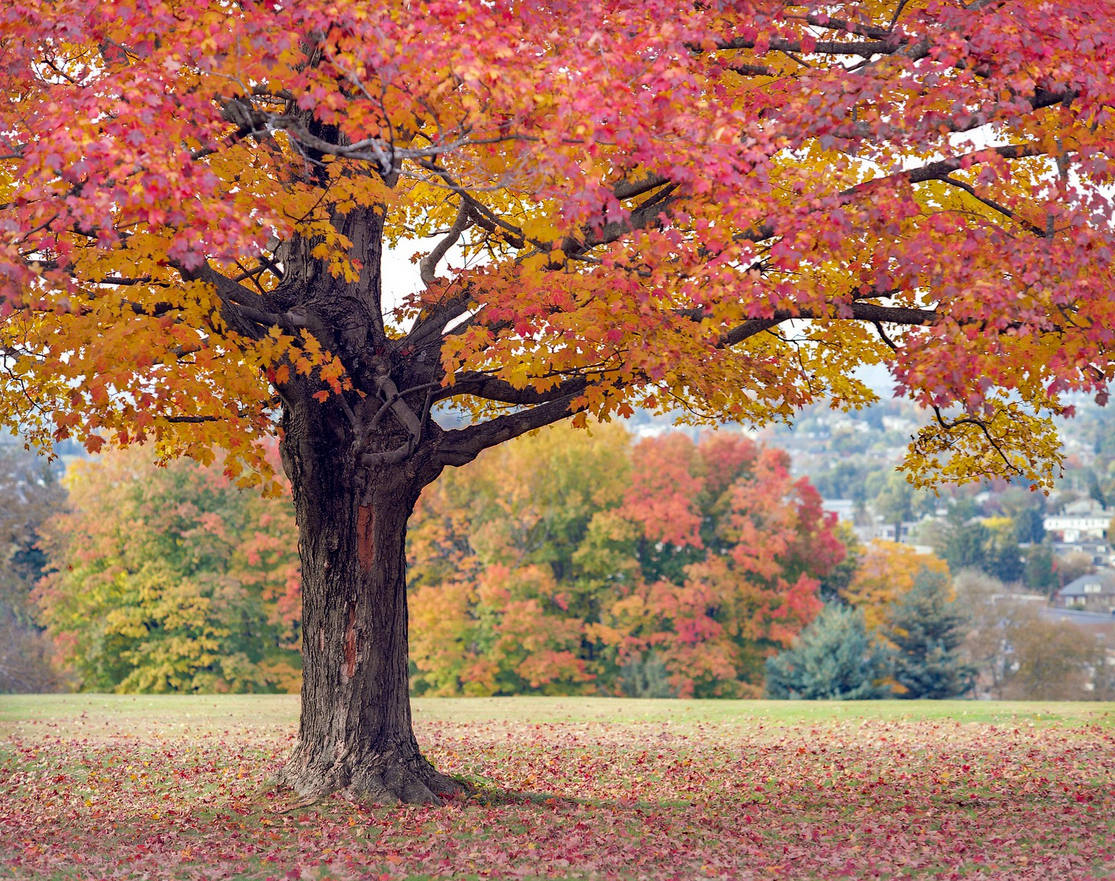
(462, 445)
(491, 389)
(995, 206)
(192, 420)
(626, 189)
(861, 48)
(982, 426)
(427, 266)
(857, 311)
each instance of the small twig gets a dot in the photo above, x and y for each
(982, 426)
(883, 334)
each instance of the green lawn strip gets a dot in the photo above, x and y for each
(276, 715)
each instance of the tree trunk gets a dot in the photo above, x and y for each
(355, 733)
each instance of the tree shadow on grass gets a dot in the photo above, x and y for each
(491, 796)
(487, 794)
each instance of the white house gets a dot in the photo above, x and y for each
(1079, 521)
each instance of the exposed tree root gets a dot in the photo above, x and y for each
(384, 779)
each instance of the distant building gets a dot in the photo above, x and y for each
(1089, 593)
(1099, 551)
(886, 531)
(844, 509)
(1079, 521)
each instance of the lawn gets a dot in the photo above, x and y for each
(95, 786)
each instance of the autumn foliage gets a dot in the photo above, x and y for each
(645, 193)
(171, 579)
(886, 572)
(572, 564)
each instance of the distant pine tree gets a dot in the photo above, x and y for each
(646, 676)
(834, 659)
(928, 627)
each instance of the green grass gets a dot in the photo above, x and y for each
(265, 715)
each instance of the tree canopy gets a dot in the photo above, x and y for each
(644, 194)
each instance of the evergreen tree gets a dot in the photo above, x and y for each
(834, 659)
(1040, 573)
(928, 627)
(1029, 526)
(1005, 561)
(968, 546)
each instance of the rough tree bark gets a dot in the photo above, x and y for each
(356, 463)
(355, 732)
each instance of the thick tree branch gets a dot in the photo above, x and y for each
(244, 310)
(856, 311)
(253, 314)
(427, 266)
(481, 385)
(626, 189)
(860, 48)
(848, 27)
(484, 216)
(429, 326)
(460, 446)
(645, 214)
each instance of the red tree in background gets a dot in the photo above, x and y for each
(573, 564)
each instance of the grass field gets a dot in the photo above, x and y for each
(99, 787)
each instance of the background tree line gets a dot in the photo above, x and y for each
(591, 564)
(152, 579)
(585, 563)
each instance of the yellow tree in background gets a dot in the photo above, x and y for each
(887, 570)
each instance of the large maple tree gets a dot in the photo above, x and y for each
(718, 207)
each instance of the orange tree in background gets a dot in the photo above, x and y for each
(573, 564)
(886, 572)
(719, 207)
(171, 579)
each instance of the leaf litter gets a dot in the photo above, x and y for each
(842, 799)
